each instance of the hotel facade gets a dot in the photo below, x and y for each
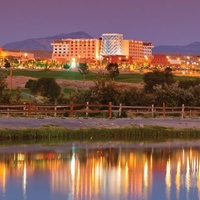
(110, 46)
(79, 49)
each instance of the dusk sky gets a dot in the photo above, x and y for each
(162, 22)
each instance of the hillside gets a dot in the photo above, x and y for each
(192, 48)
(43, 43)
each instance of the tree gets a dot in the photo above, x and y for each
(7, 64)
(152, 79)
(46, 87)
(31, 63)
(113, 70)
(4, 98)
(13, 61)
(136, 97)
(186, 84)
(30, 83)
(18, 95)
(172, 95)
(83, 69)
(196, 93)
(104, 92)
(66, 66)
(3, 84)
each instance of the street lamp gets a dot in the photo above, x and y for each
(10, 79)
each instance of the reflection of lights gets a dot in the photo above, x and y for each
(183, 156)
(132, 173)
(126, 171)
(177, 181)
(73, 161)
(168, 174)
(187, 176)
(198, 179)
(24, 181)
(168, 179)
(146, 174)
(3, 184)
(194, 165)
(20, 157)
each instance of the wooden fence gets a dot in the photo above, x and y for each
(87, 110)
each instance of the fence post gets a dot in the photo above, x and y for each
(24, 109)
(71, 114)
(152, 110)
(8, 114)
(29, 109)
(87, 108)
(55, 109)
(182, 111)
(164, 111)
(110, 110)
(120, 110)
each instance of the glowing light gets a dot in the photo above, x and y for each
(73, 64)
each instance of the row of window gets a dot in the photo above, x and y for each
(63, 55)
(83, 41)
(72, 48)
(80, 52)
(81, 45)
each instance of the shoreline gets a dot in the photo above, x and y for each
(97, 123)
(98, 145)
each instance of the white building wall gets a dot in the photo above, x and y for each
(111, 44)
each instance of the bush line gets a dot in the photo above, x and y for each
(129, 134)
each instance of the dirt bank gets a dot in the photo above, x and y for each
(20, 81)
(72, 123)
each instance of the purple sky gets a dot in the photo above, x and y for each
(171, 22)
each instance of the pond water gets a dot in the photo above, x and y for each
(94, 171)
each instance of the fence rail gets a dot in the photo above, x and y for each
(86, 110)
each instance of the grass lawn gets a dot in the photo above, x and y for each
(67, 91)
(26, 94)
(73, 75)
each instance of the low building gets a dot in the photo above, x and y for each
(160, 60)
(16, 54)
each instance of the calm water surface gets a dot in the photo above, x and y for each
(104, 171)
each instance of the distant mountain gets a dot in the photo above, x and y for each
(43, 43)
(193, 48)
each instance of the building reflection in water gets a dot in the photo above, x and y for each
(105, 173)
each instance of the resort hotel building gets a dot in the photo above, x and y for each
(110, 46)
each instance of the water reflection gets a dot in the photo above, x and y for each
(102, 172)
